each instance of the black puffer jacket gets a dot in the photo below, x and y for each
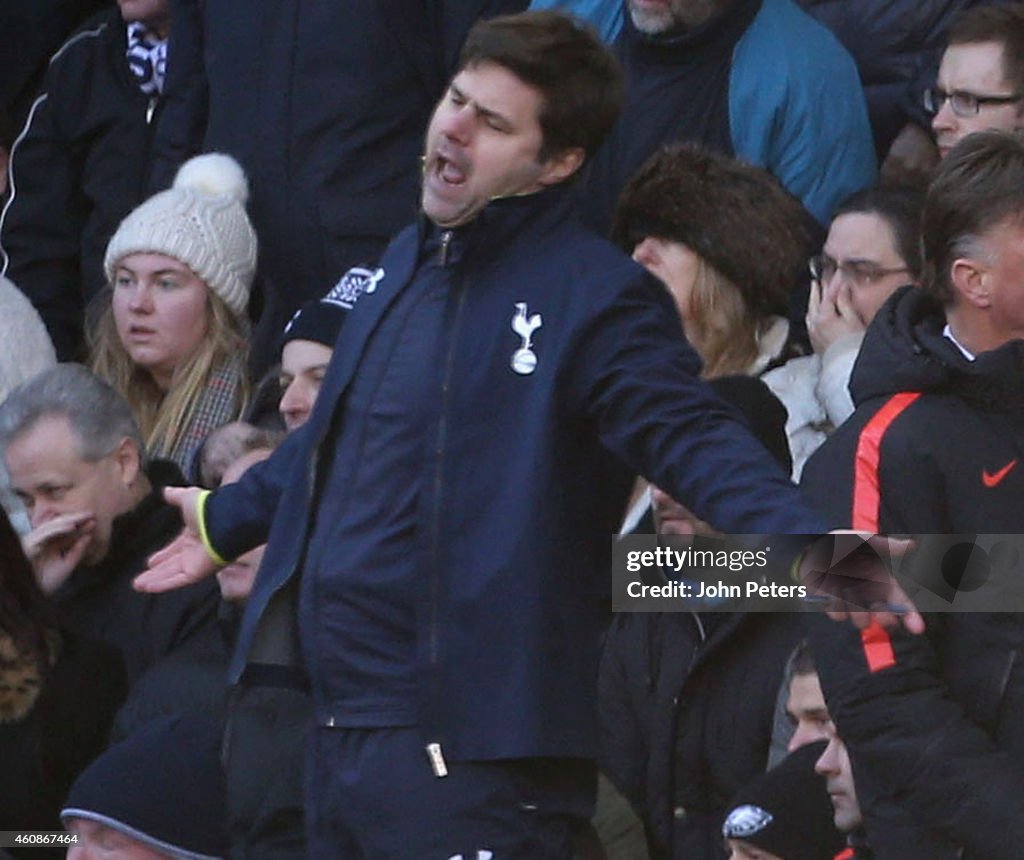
(936, 738)
(897, 45)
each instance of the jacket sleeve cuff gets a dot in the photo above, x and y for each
(204, 534)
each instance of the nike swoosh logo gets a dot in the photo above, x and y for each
(994, 479)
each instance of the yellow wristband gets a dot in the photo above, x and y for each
(204, 535)
(794, 571)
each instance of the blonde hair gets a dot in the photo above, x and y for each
(723, 329)
(163, 416)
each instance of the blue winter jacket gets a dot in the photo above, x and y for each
(525, 475)
(795, 105)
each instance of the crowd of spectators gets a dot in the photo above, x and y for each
(333, 338)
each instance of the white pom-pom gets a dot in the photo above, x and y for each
(215, 174)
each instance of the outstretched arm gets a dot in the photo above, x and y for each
(188, 558)
(220, 526)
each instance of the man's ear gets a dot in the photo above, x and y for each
(970, 281)
(128, 461)
(560, 167)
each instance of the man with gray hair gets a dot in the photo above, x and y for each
(933, 722)
(75, 457)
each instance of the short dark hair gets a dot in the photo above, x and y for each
(579, 78)
(978, 185)
(900, 207)
(1003, 24)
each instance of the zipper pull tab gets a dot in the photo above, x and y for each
(437, 762)
(150, 110)
(446, 240)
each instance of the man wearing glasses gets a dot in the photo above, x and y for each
(981, 78)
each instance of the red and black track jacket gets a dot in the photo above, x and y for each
(936, 442)
(936, 729)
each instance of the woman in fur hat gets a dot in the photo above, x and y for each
(173, 337)
(730, 243)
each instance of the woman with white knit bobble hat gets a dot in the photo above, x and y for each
(173, 339)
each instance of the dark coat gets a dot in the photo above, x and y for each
(39, 27)
(99, 602)
(80, 165)
(937, 738)
(687, 706)
(897, 45)
(68, 725)
(525, 476)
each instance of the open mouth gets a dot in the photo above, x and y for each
(451, 171)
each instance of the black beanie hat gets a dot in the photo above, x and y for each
(163, 785)
(318, 321)
(787, 810)
(735, 216)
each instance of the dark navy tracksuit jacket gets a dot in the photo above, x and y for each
(523, 477)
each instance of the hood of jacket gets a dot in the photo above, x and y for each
(904, 350)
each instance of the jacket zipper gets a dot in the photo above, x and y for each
(434, 752)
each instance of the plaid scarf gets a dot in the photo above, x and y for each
(147, 58)
(218, 405)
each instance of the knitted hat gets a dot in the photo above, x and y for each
(199, 221)
(736, 217)
(25, 345)
(318, 320)
(787, 810)
(162, 786)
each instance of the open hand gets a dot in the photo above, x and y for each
(184, 560)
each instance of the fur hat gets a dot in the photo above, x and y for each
(787, 810)
(200, 221)
(736, 217)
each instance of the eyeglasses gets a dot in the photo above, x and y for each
(860, 274)
(964, 104)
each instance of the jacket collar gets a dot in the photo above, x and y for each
(710, 41)
(904, 350)
(498, 221)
